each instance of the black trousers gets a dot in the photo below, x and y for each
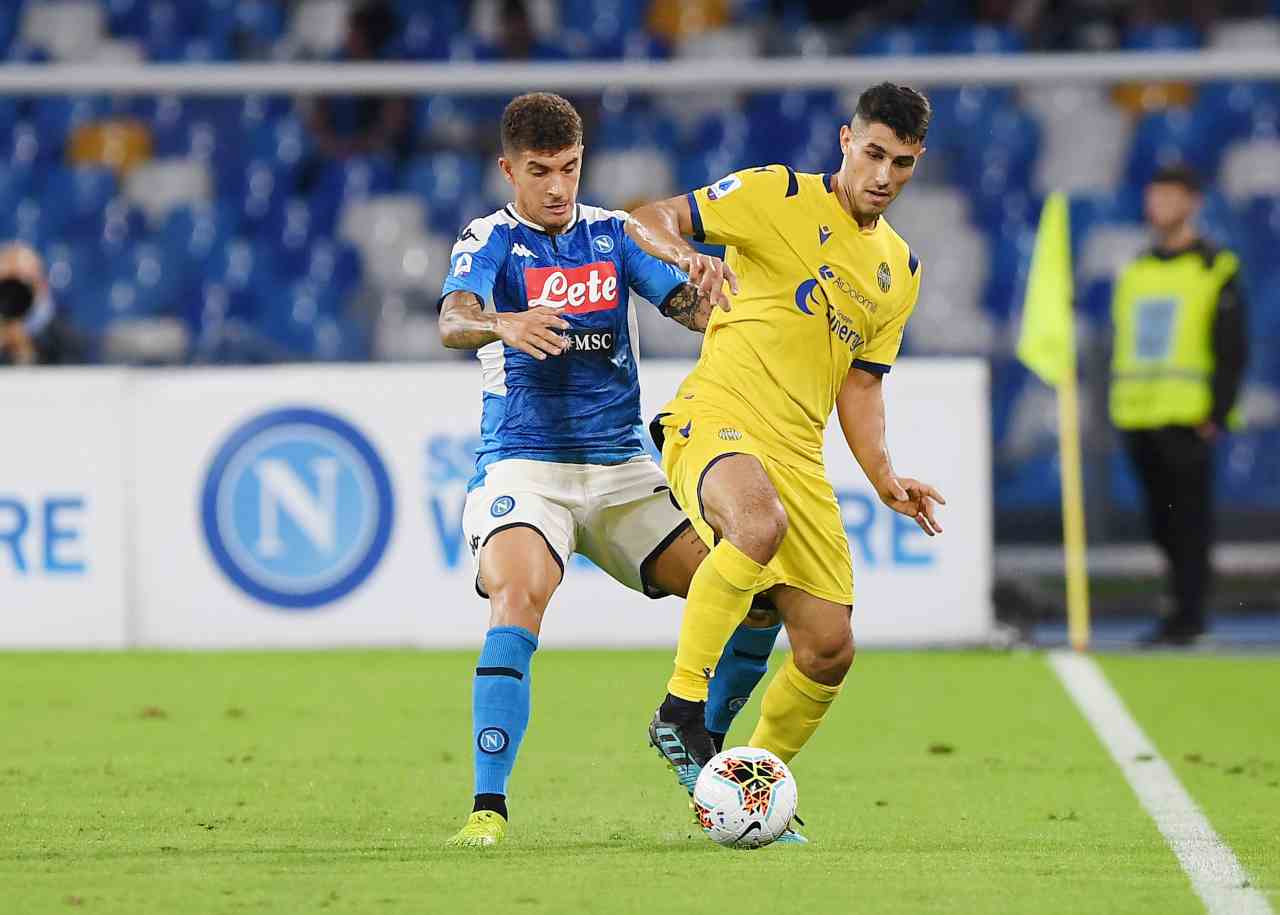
(1175, 467)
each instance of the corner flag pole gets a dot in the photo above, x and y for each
(1047, 346)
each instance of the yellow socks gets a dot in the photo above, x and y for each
(792, 710)
(719, 597)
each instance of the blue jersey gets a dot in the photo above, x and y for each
(582, 407)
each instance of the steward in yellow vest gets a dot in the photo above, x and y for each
(1178, 357)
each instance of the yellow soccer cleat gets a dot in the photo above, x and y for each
(484, 828)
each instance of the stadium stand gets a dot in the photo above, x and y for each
(220, 216)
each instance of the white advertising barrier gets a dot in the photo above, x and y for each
(322, 506)
(63, 543)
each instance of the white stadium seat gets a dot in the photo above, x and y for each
(1251, 169)
(1245, 35)
(619, 179)
(381, 221)
(69, 30)
(318, 27)
(1067, 113)
(162, 184)
(1109, 248)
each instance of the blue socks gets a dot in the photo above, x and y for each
(500, 705)
(744, 661)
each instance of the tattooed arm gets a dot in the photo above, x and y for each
(689, 306)
(464, 324)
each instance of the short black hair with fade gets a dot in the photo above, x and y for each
(540, 122)
(900, 108)
(1181, 174)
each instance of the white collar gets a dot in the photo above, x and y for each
(515, 214)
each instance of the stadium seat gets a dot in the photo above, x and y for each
(1167, 137)
(258, 190)
(30, 221)
(123, 224)
(333, 265)
(318, 27)
(1245, 35)
(158, 186)
(662, 338)
(56, 116)
(415, 263)
(8, 27)
(983, 38)
(449, 182)
(118, 52)
(1067, 113)
(241, 275)
(896, 41)
(1251, 168)
(194, 232)
(156, 276)
(79, 196)
(293, 229)
(1233, 108)
(1164, 36)
(284, 139)
(68, 29)
(424, 35)
(619, 179)
(354, 179)
(383, 220)
(405, 335)
(73, 270)
(16, 181)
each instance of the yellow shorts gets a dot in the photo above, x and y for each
(814, 555)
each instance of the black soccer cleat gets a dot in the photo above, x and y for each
(681, 738)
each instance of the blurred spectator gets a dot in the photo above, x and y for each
(346, 126)
(673, 20)
(1179, 357)
(31, 330)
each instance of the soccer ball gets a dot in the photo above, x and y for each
(745, 797)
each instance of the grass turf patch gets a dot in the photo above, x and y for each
(1214, 720)
(327, 781)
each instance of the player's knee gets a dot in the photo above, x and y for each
(759, 531)
(826, 661)
(518, 604)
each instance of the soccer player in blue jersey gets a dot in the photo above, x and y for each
(540, 289)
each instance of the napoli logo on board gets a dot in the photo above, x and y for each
(297, 508)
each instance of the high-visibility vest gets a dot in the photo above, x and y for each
(1163, 310)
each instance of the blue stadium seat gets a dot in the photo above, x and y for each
(1260, 242)
(352, 179)
(31, 221)
(897, 41)
(73, 269)
(256, 25)
(725, 133)
(983, 38)
(127, 18)
(16, 181)
(605, 16)
(56, 116)
(304, 320)
(79, 196)
(8, 26)
(775, 118)
(246, 272)
(634, 125)
(284, 139)
(158, 279)
(198, 50)
(1010, 261)
(1165, 36)
(22, 53)
(195, 232)
(1169, 136)
(294, 230)
(121, 227)
(449, 183)
(1248, 474)
(258, 190)
(23, 147)
(1233, 108)
(424, 35)
(334, 266)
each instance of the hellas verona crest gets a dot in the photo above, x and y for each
(884, 277)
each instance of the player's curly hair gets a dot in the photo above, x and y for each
(540, 122)
(900, 108)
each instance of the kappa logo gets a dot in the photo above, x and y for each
(578, 290)
(520, 250)
(468, 234)
(884, 277)
(730, 435)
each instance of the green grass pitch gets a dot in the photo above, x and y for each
(326, 782)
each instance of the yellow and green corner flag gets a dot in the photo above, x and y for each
(1047, 346)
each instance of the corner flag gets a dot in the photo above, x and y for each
(1047, 346)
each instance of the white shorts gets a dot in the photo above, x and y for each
(618, 515)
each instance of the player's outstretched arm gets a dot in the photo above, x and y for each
(464, 324)
(660, 229)
(860, 406)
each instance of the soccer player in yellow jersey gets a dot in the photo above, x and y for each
(820, 288)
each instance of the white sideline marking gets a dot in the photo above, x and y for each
(1216, 874)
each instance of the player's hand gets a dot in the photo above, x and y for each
(534, 331)
(914, 499)
(709, 274)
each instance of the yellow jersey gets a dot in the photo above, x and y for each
(818, 295)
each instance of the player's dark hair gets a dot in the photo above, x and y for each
(1181, 174)
(900, 108)
(540, 122)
